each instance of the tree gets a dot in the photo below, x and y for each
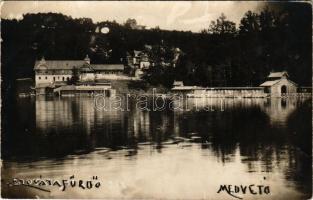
(267, 20)
(130, 23)
(249, 23)
(222, 26)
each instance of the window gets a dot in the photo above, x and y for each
(39, 77)
(46, 78)
(284, 89)
(62, 78)
(267, 90)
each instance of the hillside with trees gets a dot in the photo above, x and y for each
(223, 54)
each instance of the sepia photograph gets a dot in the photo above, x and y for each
(158, 100)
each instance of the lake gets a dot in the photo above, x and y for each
(169, 154)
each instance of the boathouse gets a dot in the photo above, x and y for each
(278, 84)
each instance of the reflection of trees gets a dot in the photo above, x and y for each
(300, 128)
(259, 126)
(17, 128)
(259, 131)
(71, 125)
(224, 130)
(299, 124)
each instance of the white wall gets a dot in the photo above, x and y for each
(87, 77)
(50, 79)
(144, 64)
(112, 77)
(276, 89)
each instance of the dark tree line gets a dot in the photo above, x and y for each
(223, 54)
(277, 38)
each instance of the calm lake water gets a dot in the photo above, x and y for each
(181, 154)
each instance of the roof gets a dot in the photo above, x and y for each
(71, 64)
(86, 68)
(186, 88)
(97, 82)
(59, 64)
(178, 83)
(269, 83)
(136, 53)
(214, 88)
(68, 87)
(44, 85)
(278, 74)
(107, 66)
(92, 87)
(234, 88)
(24, 79)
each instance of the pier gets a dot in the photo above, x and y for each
(85, 90)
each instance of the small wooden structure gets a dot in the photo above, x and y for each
(278, 85)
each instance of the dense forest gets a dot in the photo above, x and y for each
(223, 54)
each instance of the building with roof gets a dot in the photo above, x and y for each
(58, 72)
(278, 84)
(217, 92)
(178, 83)
(138, 59)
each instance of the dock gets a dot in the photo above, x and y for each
(85, 90)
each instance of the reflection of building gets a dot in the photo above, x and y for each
(53, 115)
(278, 84)
(279, 109)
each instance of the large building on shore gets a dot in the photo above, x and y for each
(54, 72)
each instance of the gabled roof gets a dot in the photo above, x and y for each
(59, 64)
(86, 68)
(71, 64)
(178, 83)
(185, 88)
(137, 53)
(101, 67)
(278, 74)
(269, 83)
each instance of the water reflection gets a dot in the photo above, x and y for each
(253, 138)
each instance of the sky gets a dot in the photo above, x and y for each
(179, 15)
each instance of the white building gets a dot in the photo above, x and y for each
(59, 72)
(278, 85)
